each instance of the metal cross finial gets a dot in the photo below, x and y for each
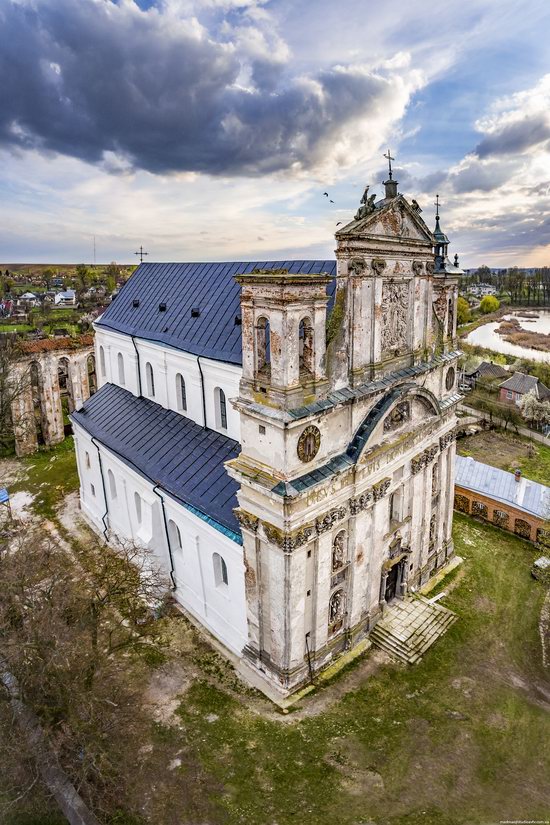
(389, 159)
(436, 204)
(141, 253)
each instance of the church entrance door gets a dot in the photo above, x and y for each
(392, 581)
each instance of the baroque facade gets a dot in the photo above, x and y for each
(282, 435)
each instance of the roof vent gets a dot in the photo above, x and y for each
(238, 321)
(162, 307)
(135, 302)
(195, 312)
(517, 474)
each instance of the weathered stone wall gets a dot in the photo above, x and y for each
(47, 371)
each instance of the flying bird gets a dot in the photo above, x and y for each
(339, 222)
(325, 194)
(331, 201)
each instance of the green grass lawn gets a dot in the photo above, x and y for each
(459, 739)
(451, 741)
(509, 451)
(49, 475)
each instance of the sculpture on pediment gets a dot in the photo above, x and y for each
(417, 267)
(357, 265)
(367, 205)
(378, 265)
(395, 312)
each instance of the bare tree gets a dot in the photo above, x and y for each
(76, 630)
(16, 408)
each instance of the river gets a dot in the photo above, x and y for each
(486, 336)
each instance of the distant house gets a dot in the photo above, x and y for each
(507, 500)
(486, 371)
(66, 298)
(514, 388)
(30, 299)
(57, 282)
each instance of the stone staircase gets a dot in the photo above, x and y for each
(409, 627)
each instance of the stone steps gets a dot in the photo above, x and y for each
(410, 627)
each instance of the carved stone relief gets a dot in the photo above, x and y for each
(417, 267)
(379, 490)
(400, 414)
(247, 520)
(423, 459)
(326, 522)
(378, 265)
(394, 316)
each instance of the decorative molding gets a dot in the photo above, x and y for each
(327, 522)
(356, 505)
(379, 490)
(417, 267)
(447, 439)
(287, 541)
(247, 520)
(423, 459)
(400, 414)
(358, 265)
(378, 265)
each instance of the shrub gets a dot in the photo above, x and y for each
(489, 304)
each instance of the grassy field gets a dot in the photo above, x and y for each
(459, 739)
(508, 452)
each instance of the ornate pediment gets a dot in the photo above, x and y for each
(391, 219)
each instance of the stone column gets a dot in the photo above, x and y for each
(52, 422)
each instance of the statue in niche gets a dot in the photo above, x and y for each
(394, 316)
(337, 606)
(398, 416)
(339, 551)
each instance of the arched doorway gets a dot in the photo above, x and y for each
(92, 379)
(37, 400)
(65, 392)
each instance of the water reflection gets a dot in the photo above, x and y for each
(487, 337)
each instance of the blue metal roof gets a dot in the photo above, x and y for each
(209, 287)
(183, 458)
(524, 494)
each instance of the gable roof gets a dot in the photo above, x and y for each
(521, 383)
(183, 458)
(526, 495)
(209, 287)
(488, 370)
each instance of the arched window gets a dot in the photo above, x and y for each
(150, 380)
(120, 361)
(306, 345)
(263, 345)
(137, 503)
(174, 535)
(221, 408)
(181, 393)
(220, 570)
(102, 362)
(112, 483)
(396, 500)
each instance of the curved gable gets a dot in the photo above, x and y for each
(381, 409)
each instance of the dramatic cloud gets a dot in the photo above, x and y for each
(153, 90)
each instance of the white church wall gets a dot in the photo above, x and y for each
(165, 365)
(219, 606)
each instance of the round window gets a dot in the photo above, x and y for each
(450, 378)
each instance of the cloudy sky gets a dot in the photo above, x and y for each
(209, 129)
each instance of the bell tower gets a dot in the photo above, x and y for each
(283, 324)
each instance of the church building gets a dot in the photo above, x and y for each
(281, 435)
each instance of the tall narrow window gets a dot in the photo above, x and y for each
(112, 483)
(220, 570)
(120, 360)
(102, 362)
(263, 346)
(150, 380)
(221, 408)
(181, 393)
(174, 535)
(305, 343)
(137, 502)
(88, 465)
